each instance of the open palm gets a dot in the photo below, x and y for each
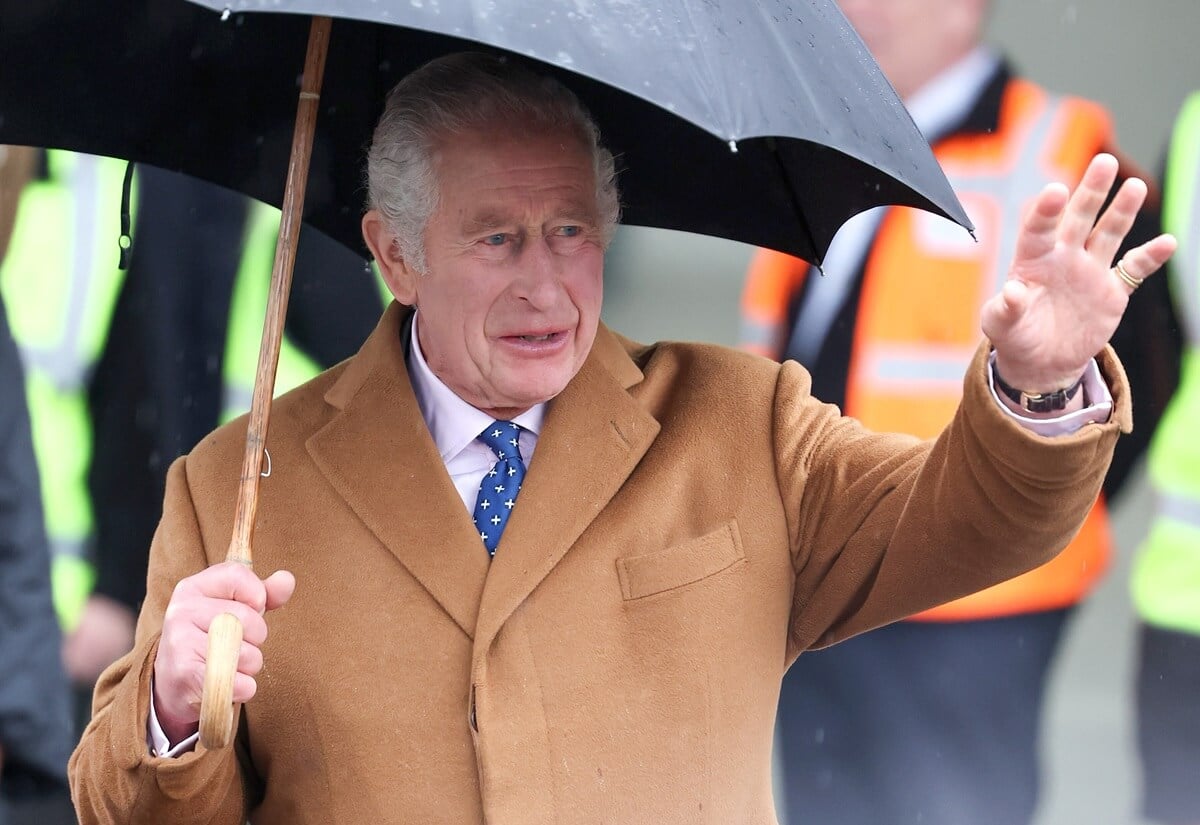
(1062, 302)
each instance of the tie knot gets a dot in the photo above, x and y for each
(504, 439)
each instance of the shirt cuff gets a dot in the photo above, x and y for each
(1095, 394)
(157, 741)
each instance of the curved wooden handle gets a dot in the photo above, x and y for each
(216, 705)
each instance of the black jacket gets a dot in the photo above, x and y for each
(35, 705)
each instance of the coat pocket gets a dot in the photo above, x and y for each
(684, 563)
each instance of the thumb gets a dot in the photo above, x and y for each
(1014, 300)
(1005, 308)
(280, 586)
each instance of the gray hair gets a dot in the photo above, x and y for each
(453, 94)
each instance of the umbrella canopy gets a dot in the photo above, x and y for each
(767, 123)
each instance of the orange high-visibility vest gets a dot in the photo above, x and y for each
(925, 281)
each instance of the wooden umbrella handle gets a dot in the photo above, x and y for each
(225, 633)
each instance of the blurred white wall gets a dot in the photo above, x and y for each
(1137, 57)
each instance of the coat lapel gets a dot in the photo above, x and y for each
(594, 436)
(378, 455)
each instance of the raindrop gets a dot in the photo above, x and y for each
(416, 4)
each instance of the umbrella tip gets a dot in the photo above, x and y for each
(225, 14)
(733, 146)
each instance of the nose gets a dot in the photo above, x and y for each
(538, 280)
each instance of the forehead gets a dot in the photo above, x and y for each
(488, 165)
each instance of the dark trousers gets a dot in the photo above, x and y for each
(45, 809)
(1168, 724)
(918, 722)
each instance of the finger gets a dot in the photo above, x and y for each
(1040, 224)
(232, 580)
(1117, 220)
(254, 627)
(244, 688)
(1087, 199)
(250, 659)
(1143, 261)
(279, 588)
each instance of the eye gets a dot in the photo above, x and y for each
(498, 239)
(569, 231)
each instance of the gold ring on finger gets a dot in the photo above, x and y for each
(1130, 281)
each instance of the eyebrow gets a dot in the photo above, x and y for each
(484, 222)
(489, 220)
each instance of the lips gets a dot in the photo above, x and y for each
(536, 337)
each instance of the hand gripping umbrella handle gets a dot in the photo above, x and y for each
(225, 633)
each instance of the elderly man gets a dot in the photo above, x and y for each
(546, 574)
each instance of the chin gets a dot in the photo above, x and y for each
(531, 393)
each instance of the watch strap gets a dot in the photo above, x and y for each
(1038, 402)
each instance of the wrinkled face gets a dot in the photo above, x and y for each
(508, 309)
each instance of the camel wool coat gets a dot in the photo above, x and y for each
(691, 521)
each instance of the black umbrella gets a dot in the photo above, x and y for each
(676, 85)
(765, 124)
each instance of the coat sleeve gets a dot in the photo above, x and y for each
(114, 778)
(882, 526)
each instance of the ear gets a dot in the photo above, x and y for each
(400, 278)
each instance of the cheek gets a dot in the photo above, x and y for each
(587, 287)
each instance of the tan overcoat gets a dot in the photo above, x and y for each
(692, 520)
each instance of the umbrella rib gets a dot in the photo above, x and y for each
(797, 207)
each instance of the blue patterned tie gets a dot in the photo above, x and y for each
(499, 488)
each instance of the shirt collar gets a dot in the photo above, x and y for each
(949, 97)
(452, 422)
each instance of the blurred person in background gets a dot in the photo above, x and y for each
(936, 720)
(1166, 571)
(35, 728)
(125, 370)
(60, 278)
(181, 359)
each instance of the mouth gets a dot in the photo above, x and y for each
(537, 340)
(537, 336)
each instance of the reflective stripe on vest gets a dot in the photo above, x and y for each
(60, 281)
(924, 283)
(1166, 572)
(246, 315)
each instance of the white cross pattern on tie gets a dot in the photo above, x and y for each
(510, 471)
